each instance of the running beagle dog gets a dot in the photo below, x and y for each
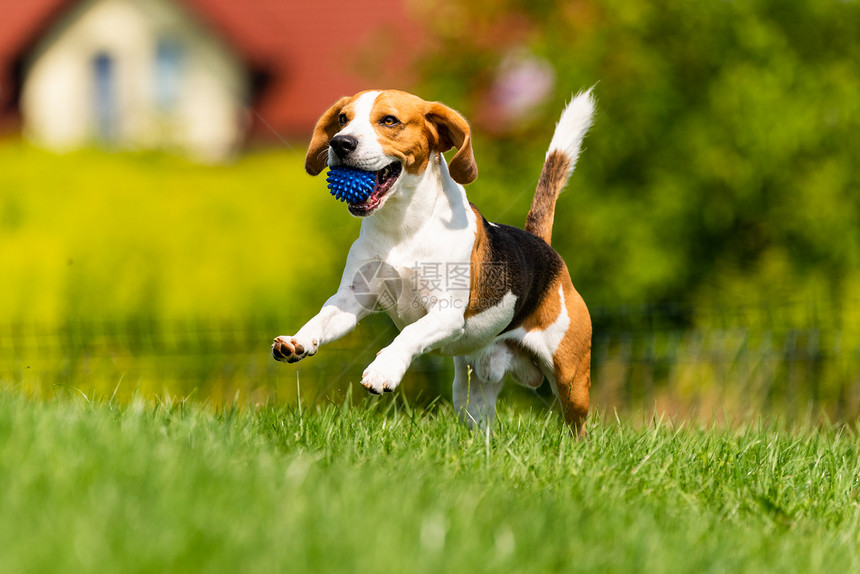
(496, 298)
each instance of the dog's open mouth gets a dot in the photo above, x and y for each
(385, 179)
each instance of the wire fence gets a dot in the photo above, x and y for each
(748, 362)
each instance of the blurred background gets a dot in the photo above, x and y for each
(157, 229)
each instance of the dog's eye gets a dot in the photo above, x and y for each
(342, 119)
(390, 121)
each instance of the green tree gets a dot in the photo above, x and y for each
(723, 163)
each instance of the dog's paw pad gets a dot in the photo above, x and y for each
(290, 350)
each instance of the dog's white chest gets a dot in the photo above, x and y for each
(420, 284)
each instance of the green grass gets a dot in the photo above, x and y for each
(97, 486)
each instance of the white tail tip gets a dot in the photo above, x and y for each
(571, 128)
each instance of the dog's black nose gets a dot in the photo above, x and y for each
(343, 145)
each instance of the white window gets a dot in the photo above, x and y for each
(103, 68)
(169, 68)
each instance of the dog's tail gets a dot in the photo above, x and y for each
(560, 161)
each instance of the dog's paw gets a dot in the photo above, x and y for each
(383, 375)
(293, 349)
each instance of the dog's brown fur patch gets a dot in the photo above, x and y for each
(409, 141)
(484, 289)
(572, 359)
(552, 179)
(423, 128)
(326, 128)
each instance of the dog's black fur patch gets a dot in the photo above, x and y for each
(518, 262)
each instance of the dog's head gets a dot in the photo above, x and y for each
(393, 134)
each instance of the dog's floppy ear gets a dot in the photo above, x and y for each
(450, 129)
(326, 128)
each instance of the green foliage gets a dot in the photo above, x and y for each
(93, 236)
(722, 165)
(89, 486)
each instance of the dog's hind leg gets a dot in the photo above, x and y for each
(474, 397)
(570, 385)
(559, 338)
(571, 365)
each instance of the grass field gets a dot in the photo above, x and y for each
(140, 277)
(173, 486)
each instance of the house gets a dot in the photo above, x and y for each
(202, 76)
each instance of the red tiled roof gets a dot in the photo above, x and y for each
(309, 52)
(20, 20)
(18, 23)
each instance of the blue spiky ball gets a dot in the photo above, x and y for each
(350, 184)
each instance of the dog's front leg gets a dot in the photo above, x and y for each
(338, 316)
(387, 370)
